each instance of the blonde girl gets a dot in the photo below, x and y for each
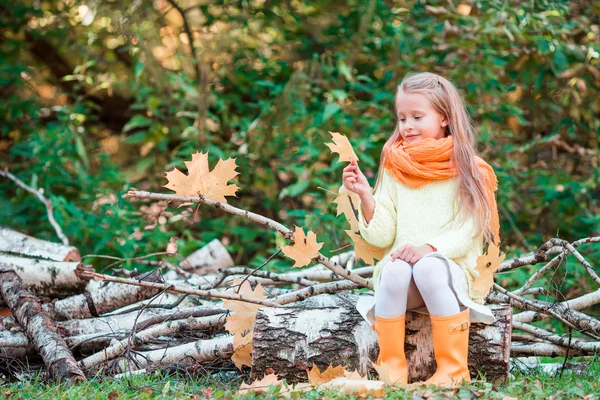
(432, 209)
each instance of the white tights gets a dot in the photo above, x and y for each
(404, 286)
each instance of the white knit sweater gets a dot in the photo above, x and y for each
(422, 216)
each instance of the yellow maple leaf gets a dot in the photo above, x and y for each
(357, 387)
(487, 264)
(199, 180)
(316, 377)
(355, 375)
(261, 385)
(348, 203)
(241, 322)
(364, 250)
(383, 370)
(304, 249)
(342, 145)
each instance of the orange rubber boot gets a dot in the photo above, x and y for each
(390, 336)
(451, 346)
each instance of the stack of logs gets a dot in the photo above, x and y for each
(81, 327)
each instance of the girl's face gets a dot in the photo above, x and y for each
(417, 119)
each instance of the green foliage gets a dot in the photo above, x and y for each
(100, 97)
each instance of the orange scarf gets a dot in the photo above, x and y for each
(416, 164)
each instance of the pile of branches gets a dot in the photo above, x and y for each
(81, 322)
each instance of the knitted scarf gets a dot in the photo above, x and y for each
(416, 164)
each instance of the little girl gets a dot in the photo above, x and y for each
(432, 209)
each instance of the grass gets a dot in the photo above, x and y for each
(531, 385)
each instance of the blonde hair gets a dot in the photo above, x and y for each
(445, 99)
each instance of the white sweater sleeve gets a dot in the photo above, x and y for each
(456, 242)
(380, 231)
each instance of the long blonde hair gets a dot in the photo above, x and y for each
(445, 99)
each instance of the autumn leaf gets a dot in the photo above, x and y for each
(304, 249)
(316, 377)
(357, 387)
(348, 203)
(201, 181)
(342, 145)
(241, 322)
(383, 370)
(487, 264)
(355, 376)
(364, 250)
(261, 385)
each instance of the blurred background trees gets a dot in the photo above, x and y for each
(97, 97)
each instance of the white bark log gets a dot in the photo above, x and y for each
(39, 328)
(17, 242)
(199, 351)
(208, 259)
(100, 299)
(542, 350)
(328, 329)
(578, 303)
(49, 278)
(166, 328)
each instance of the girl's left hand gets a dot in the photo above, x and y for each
(411, 254)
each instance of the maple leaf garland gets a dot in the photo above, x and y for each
(487, 264)
(201, 181)
(241, 323)
(304, 249)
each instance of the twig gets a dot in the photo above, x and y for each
(333, 266)
(172, 288)
(44, 200)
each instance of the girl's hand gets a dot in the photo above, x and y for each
(411, 254)
(355, 181)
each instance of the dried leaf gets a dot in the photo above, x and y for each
(364, 250)
(342, 145)
(383, 370)
(304, 249)
(355, 376)
(260, 385)
(361, 387)
(241, 322)
(199, 180)
(464, 9)
(316, 377)
(487, 264)
(348, 203)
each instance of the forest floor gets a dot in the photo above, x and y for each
(534, 384)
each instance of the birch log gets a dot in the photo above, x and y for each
(203, 350)
(208, 259)
(50, 278)
(328, 329)
(17, 242)
(39, 328)
(101, 299)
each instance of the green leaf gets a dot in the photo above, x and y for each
(139, 137)
(138, 121)
(330, 109)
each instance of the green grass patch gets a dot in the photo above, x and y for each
(534, 384)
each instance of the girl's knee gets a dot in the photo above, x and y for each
(397, 268)
(428, 267)
(395, 274)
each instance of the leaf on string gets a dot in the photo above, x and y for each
(304, 248)
(342, 146)
(487, 264)
(348, 203)
(316, 377)
(201, 181)
(261, 385)
(241, 322)
(364, 250)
